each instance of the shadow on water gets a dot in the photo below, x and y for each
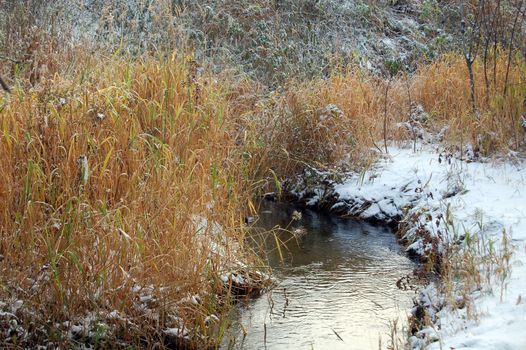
(336, 285)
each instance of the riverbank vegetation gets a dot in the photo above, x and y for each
(132, 175)
(126, 179)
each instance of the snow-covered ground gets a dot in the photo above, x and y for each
(443, 199)
(484, 198)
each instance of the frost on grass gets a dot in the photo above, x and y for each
(270, 40)
(149, 301)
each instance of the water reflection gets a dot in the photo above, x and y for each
(337, 286)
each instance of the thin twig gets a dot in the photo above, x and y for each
(385, 114)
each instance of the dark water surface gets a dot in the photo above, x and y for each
(336, 286)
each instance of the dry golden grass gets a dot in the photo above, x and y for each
(441, 88)
(116, 183)
(129, 179)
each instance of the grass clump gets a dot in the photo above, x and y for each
(434, 101)
(122, 203)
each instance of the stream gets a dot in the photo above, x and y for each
(336, 285)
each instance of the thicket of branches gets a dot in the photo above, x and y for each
(486, 27)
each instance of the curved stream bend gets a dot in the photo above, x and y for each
(337, 286)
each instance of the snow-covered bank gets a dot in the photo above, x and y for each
(446, 202)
